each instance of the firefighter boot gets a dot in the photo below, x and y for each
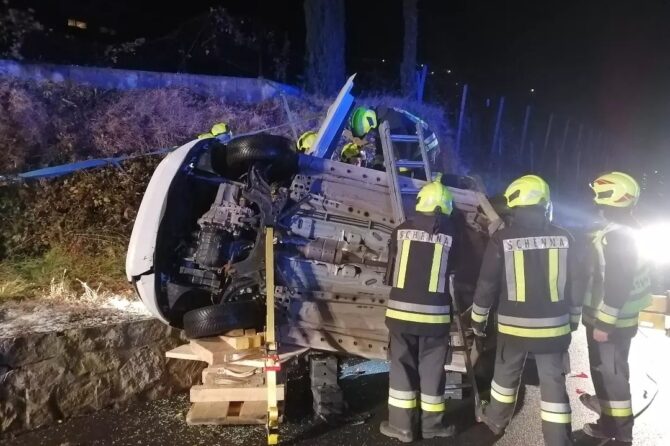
(594, 430)
(432, 426)
(393, 432)
(590, 402)
(441, 432)
(482, 418)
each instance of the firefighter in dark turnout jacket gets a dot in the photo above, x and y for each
(526, 270)
(618, 288)
(418, 318)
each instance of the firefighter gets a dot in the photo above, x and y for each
(363, 120)
(352, 154)
(525, 272)
(222, 132)
(618, 289)
(418, 318)
(406, 171)
(401, 123)
(305, 143)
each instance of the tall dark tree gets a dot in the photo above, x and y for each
(324, 22)
(408, 66)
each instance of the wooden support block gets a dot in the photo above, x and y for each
(654, 320)
(236, 332)
(183, 352)
(215, 351)
(208, 394)
(659, 304)
(227, 413)
(244, 342)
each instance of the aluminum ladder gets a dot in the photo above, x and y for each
(392, 165)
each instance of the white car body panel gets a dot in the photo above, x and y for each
(140, 258)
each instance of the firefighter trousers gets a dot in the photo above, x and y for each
(416, 381)
(554, 406)
(611, 380)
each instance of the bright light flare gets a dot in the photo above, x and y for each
(653, 243)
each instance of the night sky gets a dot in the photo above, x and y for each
(604, 62)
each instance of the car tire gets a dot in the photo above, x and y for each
(218, 319)
(267, 151)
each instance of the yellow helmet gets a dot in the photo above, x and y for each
(305, 143)
(529, 190)
(219, 129)
(205, 135)
(362, 121)
(616, 189)
(350, 151)
(435, 195)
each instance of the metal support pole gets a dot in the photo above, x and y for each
(561, 150)
(496, 129)
(547, 135)
(524, 131)
(461, 118)
(606, 150)
(578, 149)
(598, 150)
(289, 114)
(532, 156)
(421, 82)
(424, 152)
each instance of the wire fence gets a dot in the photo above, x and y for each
(500, 138)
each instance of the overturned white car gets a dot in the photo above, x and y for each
(196, 255)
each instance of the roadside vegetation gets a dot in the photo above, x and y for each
(67, 237)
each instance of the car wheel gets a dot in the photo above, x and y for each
(218, 319)
(271, 151)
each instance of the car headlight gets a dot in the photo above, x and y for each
(653, 243)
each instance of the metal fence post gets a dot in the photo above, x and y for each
(524, 131)
(496, 129)
(461, 118)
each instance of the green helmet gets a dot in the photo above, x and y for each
(363, 120)
(305, 143)
(529, 190)
(435, 195)
(219, 129)
(205, 135)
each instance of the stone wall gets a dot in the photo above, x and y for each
(46, 377)
(236, 89)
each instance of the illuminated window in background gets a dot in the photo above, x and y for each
(76, 24)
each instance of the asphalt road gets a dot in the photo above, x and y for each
(162, 422)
